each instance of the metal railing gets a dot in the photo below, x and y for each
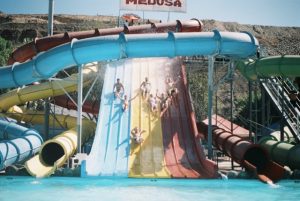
(279, 90)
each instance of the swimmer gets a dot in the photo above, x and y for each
(118, 86)
(153, 104)
(125, 101)
(145, 88)
(137, 135)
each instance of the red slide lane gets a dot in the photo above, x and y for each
(183, 154)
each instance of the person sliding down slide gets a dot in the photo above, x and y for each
(118, 86)
(145, 88)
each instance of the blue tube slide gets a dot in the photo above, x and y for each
(17, 143)
(46, 64)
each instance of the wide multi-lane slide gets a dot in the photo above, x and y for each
(170, 147)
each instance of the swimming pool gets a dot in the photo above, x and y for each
(77, 189)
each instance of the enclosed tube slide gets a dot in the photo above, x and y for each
(55, 152)
(47, 89)
(282, 152)
(235, 45)
(253, 157)
(31, 49)
(17, 143)
(285, 66)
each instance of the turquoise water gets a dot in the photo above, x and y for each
(94, 189)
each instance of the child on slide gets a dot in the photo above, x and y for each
(137, 135)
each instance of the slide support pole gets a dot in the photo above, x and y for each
(210, 104)
(79, 108)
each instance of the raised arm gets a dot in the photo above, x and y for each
(133, 97)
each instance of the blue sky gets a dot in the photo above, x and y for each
(263, 12)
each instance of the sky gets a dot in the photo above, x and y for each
(260, 12)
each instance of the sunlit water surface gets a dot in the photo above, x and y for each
(77, 189)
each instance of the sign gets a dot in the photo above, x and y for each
(154, 5)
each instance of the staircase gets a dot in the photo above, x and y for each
(278, 90)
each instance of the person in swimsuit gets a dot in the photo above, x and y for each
(153, 104)
(171, 88)
(137, 135)
(164, 102)
(145, 88)
(118, 86)
(125, 101)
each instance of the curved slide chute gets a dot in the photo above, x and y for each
(17, 143)
(285, 66)
(55, 152)
(284, 153)
(47, 89)
(251, 156)
(238, 45)
(31, 49)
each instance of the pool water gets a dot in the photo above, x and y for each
(94, 189)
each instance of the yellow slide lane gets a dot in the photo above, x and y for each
(146, 160)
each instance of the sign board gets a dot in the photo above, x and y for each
(154, 5)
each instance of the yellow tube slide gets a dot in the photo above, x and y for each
(48, 89)
(55, 152)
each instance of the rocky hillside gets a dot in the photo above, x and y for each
(22, 28)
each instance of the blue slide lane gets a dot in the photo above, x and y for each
(17, 143)
(109, 155)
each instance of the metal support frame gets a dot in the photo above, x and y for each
(79, 107)
(250, 110)
(282, 114)
(47, 102)
(210, 104)
(50, 17)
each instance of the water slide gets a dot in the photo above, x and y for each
(284, 66)
(170, 146)
(231, 44)
(17, 143)
(253, 157)
(34, 92)
(31, 49)
(21, 96)
(55, 152)
(284, 153)
(238, 45)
